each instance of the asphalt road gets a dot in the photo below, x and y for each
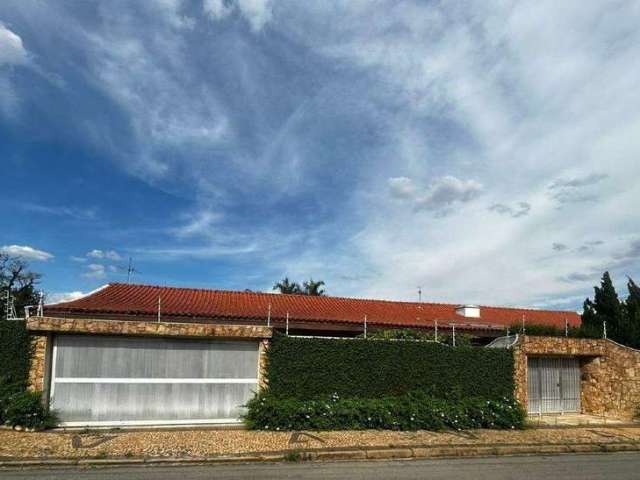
(566, 467)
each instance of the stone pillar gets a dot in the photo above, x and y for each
(262, 364)
(38, 369)
(520, 373)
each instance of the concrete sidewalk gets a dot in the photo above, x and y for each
(216, 446)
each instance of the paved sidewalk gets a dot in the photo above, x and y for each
(209, 444)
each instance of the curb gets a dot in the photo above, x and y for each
(374, 453)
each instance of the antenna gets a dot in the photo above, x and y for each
(419, 294)
(131, 270)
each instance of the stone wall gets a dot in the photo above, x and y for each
(38, 363)
(610, 373)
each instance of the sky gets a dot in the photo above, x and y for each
(485, 151)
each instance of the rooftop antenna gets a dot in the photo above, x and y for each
(131, 270)
(420, 294)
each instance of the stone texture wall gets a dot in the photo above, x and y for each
(41, 329)
(126, 327)
(610, 373)
(262, 364)
(38, 363)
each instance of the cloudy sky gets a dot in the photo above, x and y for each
(486, 151)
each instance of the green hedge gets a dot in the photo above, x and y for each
(15, 352)
(308, 368)
(413, 411)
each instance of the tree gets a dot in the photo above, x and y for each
(286, 286)
(313, 288)
(16, 278)
(606, 307)
(15, 345)
(632, 311)
(310, 287)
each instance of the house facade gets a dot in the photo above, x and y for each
(148, 355)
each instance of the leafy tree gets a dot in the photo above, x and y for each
(310, 287)
(15, 345)
(313, 288)
(16, 278)
(286, 286)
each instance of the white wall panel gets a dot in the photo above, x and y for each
(133, 379)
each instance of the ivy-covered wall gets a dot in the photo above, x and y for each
(307, 368)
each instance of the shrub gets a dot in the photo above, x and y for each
(413, 411)
(553, 331)
(308, 368)
(27, 410)
(15, 351)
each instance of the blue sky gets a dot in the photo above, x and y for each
(488, 152)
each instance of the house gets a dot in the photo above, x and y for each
(138, 354)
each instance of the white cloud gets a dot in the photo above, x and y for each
(59, 297)
(26, 252)
(201, 224)
(12, 51)
(95, 271)
(257, 12)
(441, 194)
(217, 9)
(104, 254)
(520, 210)
(402, 187)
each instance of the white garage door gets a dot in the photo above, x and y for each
(137, 381)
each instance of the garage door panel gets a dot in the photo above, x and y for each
(125, 402)
(125, 379)
(553, 384)
(96, 357)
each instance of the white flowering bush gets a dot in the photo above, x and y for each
(414, 411)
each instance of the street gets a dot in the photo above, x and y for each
(568, 467)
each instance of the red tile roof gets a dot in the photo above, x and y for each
(142, 300)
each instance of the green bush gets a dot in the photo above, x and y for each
(27, 410)
(15, 351)
(553, 331)
(413, 411)
(308, 368)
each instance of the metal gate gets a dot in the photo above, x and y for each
(136, 381)
(553, 384)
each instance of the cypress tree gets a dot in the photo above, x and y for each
(606, 307)
(632, 312)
